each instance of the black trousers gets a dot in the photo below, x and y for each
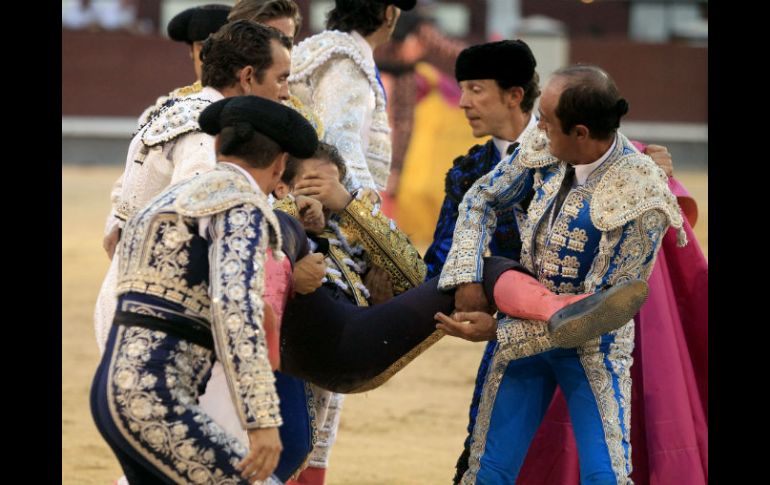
(329, 341)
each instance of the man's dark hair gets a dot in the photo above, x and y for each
(243, 141)
(363, 16)
(324, 151)
(590, 98)
(531, 91)
(237, 45)
(265, 10)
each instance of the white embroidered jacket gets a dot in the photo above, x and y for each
(166, 149)
(332, 75)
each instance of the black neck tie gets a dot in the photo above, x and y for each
(511, 148)
(566, 186)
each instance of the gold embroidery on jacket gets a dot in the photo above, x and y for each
(384, 244)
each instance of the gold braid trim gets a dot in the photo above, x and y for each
(307, 113)
(193, 88)
(287, 205)
(350, 277)
(383, 377)
(335, 257)
(388, 248)
(391, 250)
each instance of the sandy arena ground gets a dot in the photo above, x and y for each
(408, 432)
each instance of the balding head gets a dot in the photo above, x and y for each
(589, 97)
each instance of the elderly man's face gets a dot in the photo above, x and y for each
(561, 145)
(275, 82)
(486, 107)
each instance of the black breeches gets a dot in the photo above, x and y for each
(329, 341)
(336, 345)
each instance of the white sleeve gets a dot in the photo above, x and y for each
(191, 155)
(115, 193)
(341, 100)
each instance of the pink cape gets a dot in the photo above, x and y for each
(278, 287)
(669, 405)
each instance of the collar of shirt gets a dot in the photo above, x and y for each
(502, 145)
(366, 49)
(582, 172)
(531, 125)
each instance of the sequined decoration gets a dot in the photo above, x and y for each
(353, 78)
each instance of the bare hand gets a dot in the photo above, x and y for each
(473, 326)
(470, 297)
(110, 241)
(378, 282)
(311, 214)
(308, 273)
(661, 157)
(264, 451)
(326, 188)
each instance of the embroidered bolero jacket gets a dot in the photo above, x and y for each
(607, 230)
(197, 251)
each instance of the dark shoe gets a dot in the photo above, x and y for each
(604, 311)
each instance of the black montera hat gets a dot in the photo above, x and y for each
(280, 123)
(402, 4)
(195, 24)
(510, 62)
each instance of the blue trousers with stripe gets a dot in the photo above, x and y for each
(596, 383)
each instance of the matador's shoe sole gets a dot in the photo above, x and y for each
(602, 312)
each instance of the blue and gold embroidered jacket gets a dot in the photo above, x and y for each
(215, 277)
(607, 230)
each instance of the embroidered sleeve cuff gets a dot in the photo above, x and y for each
(464, 263)
(267, 414)
(386, 246)
(522, 338)
(287, 205)
(451, 281)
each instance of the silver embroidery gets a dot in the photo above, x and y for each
(353, 77)
(151, 425)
